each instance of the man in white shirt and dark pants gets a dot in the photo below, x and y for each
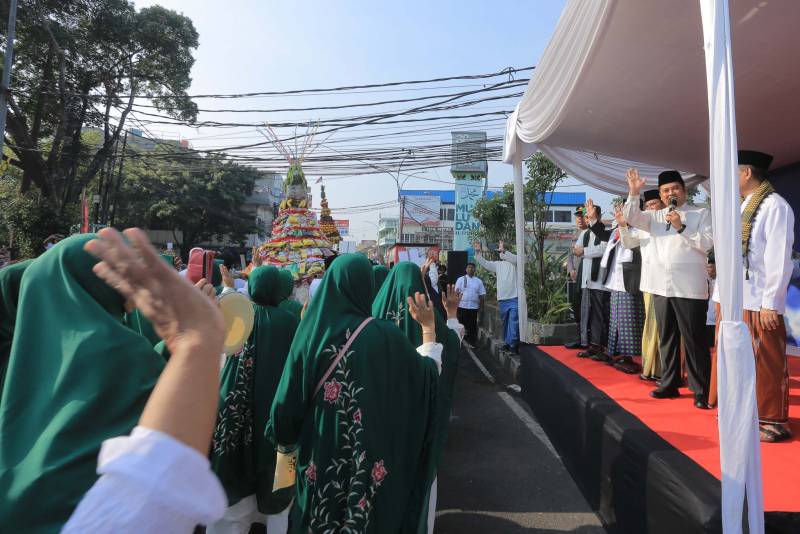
(506, 271)
(595, 297)
(680, 238)
(472, 293)
(767, 239)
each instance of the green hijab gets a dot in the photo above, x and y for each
(76, 377)
(380, 273)
(287, 286)
(10, 278)
(364, 439)
(404, 281)
(241, 456)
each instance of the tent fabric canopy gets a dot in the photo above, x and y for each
(622, 84)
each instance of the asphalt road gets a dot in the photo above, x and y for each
(497, 475)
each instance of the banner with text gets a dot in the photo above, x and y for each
(468, 192)
(343, 226)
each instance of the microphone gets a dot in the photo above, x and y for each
(673, 203)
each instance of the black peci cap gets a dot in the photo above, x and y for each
(668, 177)
(759, 160)
(651, 194)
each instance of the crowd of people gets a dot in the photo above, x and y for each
(331, 418)
(644, 292)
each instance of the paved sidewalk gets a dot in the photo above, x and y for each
(499, 473)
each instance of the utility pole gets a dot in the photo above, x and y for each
(115, 197)
(6, 82)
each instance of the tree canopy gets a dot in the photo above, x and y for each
(78, 63)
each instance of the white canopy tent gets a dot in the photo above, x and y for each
(635, 83)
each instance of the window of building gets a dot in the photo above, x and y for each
(562, 216)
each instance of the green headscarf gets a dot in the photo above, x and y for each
(363, 441)
(241, 456)
(287, 286)
(380, 273)
(404, 281)
(10, 277)
(76, 377)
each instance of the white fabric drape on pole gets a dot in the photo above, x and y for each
(519, 220)
(740, 455)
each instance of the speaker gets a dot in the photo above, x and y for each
(456, 265)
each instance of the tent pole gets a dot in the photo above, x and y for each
(519, 220)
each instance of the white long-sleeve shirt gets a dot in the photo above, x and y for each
(506, 271)
(770, 255)
(149, 482)
(616, 280)
(676, 262)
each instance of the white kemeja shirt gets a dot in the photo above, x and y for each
(506, 271)
(149, 482)
(770, 255)
(472, 289)
(595, 249)
(616, 280)
(677, 262)
(433, 274)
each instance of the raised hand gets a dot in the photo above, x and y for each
(476, 245)
(227, 279)
(180, 312)
(591, 213)
(422, 311)
(635, 182)
(501, 246)
(618, 215)
(452, 300)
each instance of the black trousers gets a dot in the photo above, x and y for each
(599, 315)
(678, 317)
(574, 293)
(469, 318)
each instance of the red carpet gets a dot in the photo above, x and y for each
(693, 431)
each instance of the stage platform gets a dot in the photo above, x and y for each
(647, 465)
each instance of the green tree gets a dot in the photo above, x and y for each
(79, 63)
(200, 197)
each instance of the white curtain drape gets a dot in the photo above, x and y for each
(740, 455)
(519, 225)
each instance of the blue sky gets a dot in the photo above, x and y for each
(250, 45)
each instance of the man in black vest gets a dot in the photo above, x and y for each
(595, 297)
(574, 284)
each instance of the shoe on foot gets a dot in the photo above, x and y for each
(665, 393)
(586, 353)
(701, 403)
(574, 345)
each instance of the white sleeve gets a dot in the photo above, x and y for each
(482, 289)
(488, 265)
(432, 351)
(702, 239)
(458, 328)
(634, 215)
(596, 251)
(149, 482)
(226, 290)
(779, 229)
(628, 238)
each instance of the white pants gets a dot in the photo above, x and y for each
(239, 517)
(432, 505)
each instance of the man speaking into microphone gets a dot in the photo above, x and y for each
(680, 238)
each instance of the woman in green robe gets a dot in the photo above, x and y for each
(287, 286)
(404, 280)
(363, 439)
(76, 377)
(10, 278)
(380, 273)
(241, 456)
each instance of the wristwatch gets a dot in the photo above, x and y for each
(683, 227)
